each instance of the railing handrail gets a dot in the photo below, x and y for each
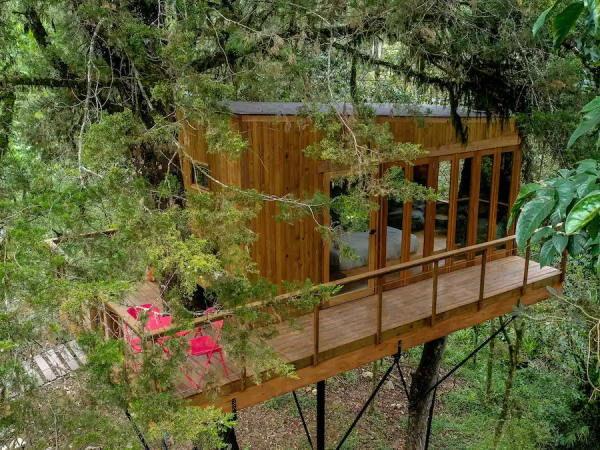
(419, 262)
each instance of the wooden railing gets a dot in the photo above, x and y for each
(380, 275)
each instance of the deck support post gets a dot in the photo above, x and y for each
(482, 279)
(316, 311)
(379, 307)
(321, 415)
(434, 292)
(526, 271)
(563, 265)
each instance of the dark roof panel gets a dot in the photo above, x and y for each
(382, 109)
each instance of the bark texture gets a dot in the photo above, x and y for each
(423, 379)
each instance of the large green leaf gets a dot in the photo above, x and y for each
(560, 242)
(566, 192)
(565, 21)
(524, 193)
(541, 234)
(539, 23)
(594, 227)
(577, 244)
(584, 187)
(582, 213)
(532, 215)
(589, 122)
(594, 6)
(594, 103)
(547, 253)
(587, 165)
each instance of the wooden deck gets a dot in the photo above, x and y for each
(348, 331)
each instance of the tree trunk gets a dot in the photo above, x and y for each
(514, 351)
(422, 380)
(374, 382)
(7, 105)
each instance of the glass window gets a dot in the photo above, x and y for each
(485, 197)
(350, 216)
(465, 167)
(418, 219)
(503, 211)
(395, 218)
(200, 177)
(442, 207)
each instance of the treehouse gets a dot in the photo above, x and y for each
(421, 271)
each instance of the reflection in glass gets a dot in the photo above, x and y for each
(440, 239)
(485, 196)
(350, 216)
(506, 166)
(462, 207)
(418, 221)
(395, 216)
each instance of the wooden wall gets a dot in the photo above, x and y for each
(275, 164)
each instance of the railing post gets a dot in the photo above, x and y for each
(316, 311)
(379, 307)
(482, 278)
(563, 265)
(434, 292)
(526, 271)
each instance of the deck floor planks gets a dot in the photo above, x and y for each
(349, 322)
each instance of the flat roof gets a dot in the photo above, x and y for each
(381, 109)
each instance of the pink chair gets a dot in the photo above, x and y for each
(156, 319)
(217, 324)
(135, 346)
(200, 346)
(163, 340)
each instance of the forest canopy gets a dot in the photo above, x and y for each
(93, 96)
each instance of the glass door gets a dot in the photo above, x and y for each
(352, 252)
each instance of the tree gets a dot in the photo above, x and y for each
(92, 96)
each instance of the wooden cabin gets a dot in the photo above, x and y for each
(477, 182)
(423, 270)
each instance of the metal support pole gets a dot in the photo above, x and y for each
(138, 432)
(230, 438)
(430, 419)
(373, 394)
(302, 418)
(321, 415)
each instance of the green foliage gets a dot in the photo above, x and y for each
(570, 205)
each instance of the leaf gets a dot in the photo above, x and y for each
(539, 23)
(525, 191)
(594, 6)
(594, 227)
(547, 253)
(556, 217)
(598, 267)
(594, 103)
(565, 21)
(564, 173)
(584, 188)
(566, 193)
(541, 234)
(590, 120)
(582, 213)
(587, 165)
(560, 242)
(552, 290)
(532, 215)
(577, 244)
